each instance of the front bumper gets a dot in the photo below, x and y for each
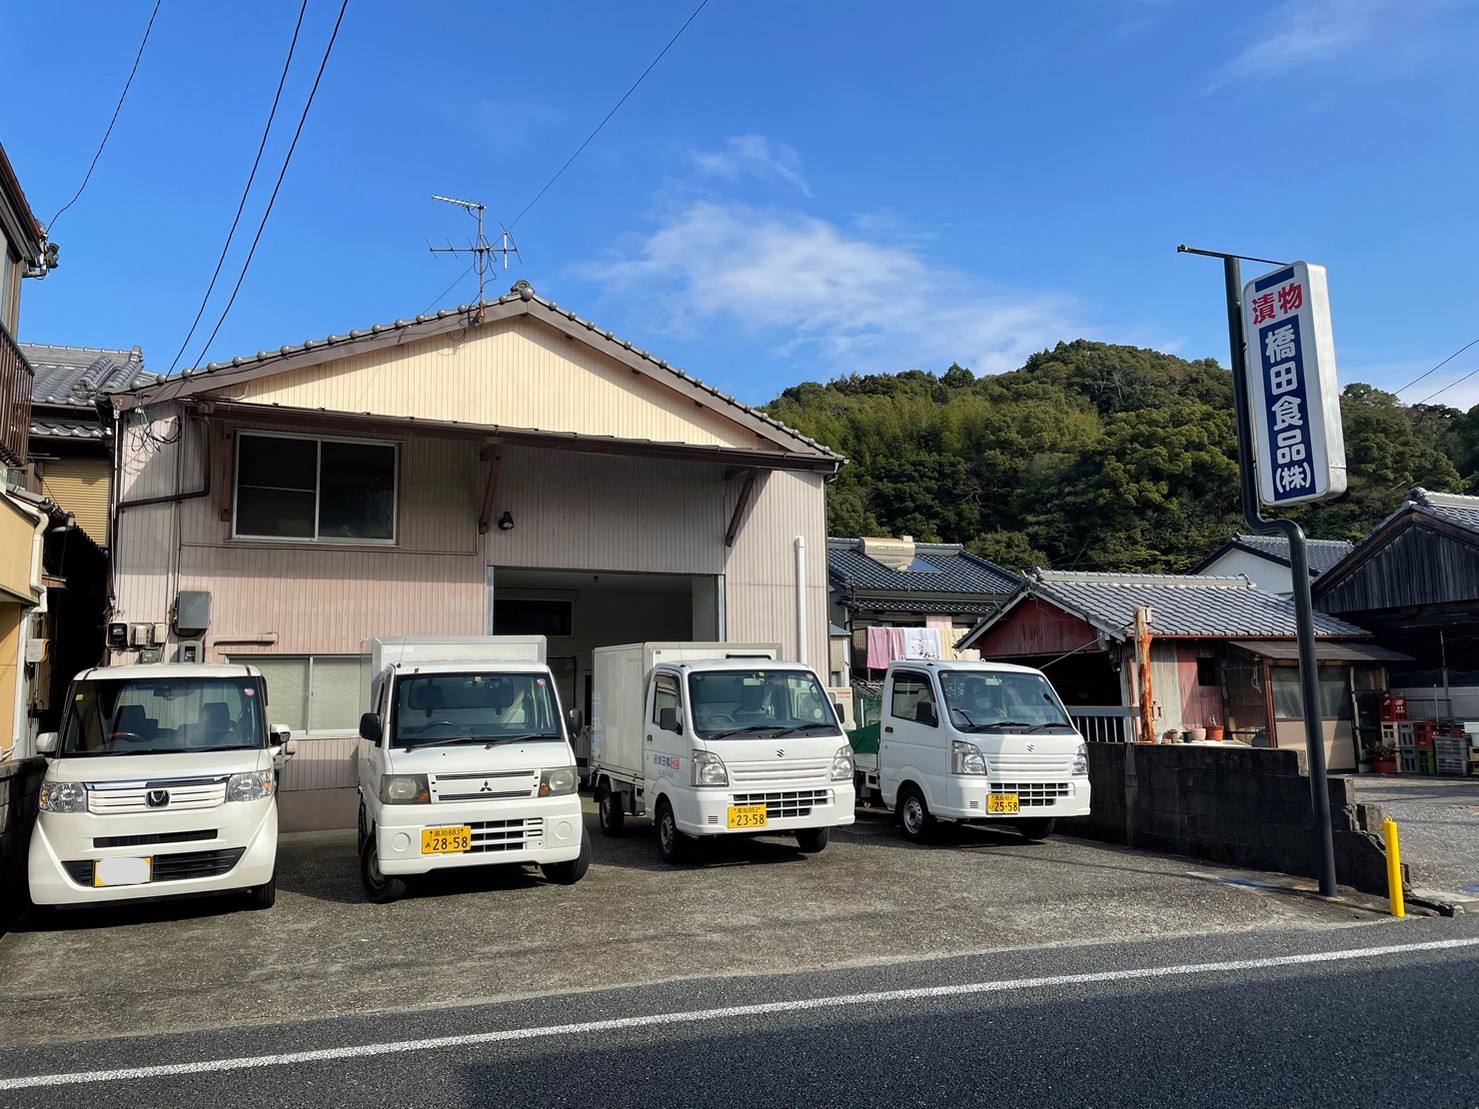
(539, 830)
(965, 798)
(239, 854)
(788, 807)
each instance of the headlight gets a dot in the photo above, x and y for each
(252, 786)
(1081, 760)
(708, 769)
(404, 789)
(842, 765)
(557, 781)
(966, 758)
(63, 797)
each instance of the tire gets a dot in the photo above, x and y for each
(613, 817)
(380, 889)
(263, 897)
(362, 829)
(813, 841)
(1037, 829)
(914, 815)
(674, 847)
(568, 873)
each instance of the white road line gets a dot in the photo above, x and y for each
(362, 1051)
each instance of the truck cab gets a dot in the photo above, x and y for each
(465, 760)
(976, 742)
(161, 783)
(717, 739)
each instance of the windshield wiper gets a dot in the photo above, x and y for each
(739, 731)
(1002, 724)
(796, 729)
(486, 740)
(1051, 724)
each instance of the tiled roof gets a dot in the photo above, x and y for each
(957, 571)
(76, 376)
(521, 291)
(931, 607)
(59, 427)
(1451, 508)
(1182, 605)
(1323, 553)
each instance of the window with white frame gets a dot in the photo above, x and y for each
(331, 490)
(314, 693)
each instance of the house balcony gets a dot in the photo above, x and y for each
(16, 381)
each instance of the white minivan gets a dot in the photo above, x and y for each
(976, 742)
(161, 783)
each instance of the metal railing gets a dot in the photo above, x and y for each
(1104, 723)
(16, 381)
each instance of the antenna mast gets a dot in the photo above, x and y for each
(481, 247)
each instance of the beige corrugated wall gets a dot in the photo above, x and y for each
(80, 486)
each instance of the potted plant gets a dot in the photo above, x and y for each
(1214, 730)
(1383, 758)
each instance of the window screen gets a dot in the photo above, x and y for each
(1335, 695)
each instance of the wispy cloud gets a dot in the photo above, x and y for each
(754, 156)
(815, 290)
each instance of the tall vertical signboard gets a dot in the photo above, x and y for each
(1298, 441)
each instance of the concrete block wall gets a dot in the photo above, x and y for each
(1239, 806)
(20, 780)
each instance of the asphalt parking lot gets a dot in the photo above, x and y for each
(755, 906)
(1438, 823)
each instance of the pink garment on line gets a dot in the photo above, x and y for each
(880, 648)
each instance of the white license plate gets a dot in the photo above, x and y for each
(121, 872)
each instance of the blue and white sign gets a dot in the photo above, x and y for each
(1298, 440)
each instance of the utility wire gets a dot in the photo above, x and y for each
(1451, 384)
(448, 289)
(329, 49)
(1438, 367)
(250, 178)
(609, 114)
(112, 121)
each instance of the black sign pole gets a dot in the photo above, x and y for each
(1304, 614)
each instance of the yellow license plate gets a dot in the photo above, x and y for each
(747, 816)
(446, 841)
(1003, 802)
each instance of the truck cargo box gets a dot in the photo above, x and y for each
(429, 649)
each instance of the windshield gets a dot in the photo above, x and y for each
(982, 699)
(740, 702)
(163, 716)
(472, 708)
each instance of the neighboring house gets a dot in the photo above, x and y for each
(508, 467)
(1414, 581)
(898, 583)
(1264, 560)
(1223, 653)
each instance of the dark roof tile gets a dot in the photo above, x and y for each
(76, 376)
(957, 571)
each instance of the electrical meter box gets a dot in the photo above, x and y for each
(193, 611)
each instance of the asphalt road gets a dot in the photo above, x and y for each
(1377, 1014)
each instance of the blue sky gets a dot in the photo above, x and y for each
(792, 194)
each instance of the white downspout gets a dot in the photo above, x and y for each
(801, 599)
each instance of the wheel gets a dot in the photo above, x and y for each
(263, 897)
(568, 873)
(672, 845)
(812, 840)
(613, 817)
(379, 888)
(1037, 829)
(914, 815)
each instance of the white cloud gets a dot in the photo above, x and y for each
(817, 291)
(754, 156)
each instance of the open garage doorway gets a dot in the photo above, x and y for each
(580, 610)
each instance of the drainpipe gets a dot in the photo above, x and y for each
(801, 599)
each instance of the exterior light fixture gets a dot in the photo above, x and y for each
(506, 521)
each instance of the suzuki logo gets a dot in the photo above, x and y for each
(1032, 746)
(157, 798)
(780, 752)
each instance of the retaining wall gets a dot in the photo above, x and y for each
(20, 779)
(1240, 806)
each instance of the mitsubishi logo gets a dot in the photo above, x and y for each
(487, 786)
(780, 752)
(157, 798)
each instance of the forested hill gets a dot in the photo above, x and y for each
(1094, 456)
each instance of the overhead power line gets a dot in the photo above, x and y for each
(117, 108)
(1438, 367)
(261, 146)
(1451, 384)
(287, 159)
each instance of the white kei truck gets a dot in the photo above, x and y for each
(465, 760)
(716, 739)
(974, 742)
(161, 783)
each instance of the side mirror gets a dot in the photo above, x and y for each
(667, 720)
(369, 727)
(46, 743)
(576, 719)
(280, 737)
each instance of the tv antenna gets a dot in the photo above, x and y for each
(481, 248)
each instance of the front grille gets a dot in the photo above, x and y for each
(502, 785)
(787, 802)
(505, 835)
(780, 771)
(1031, 794)
(170, 868)
(158, 837)
(184, 795)
(1027, 765)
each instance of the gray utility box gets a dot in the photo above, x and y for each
(193, 611)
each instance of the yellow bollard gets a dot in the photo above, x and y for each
(1394, 866)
